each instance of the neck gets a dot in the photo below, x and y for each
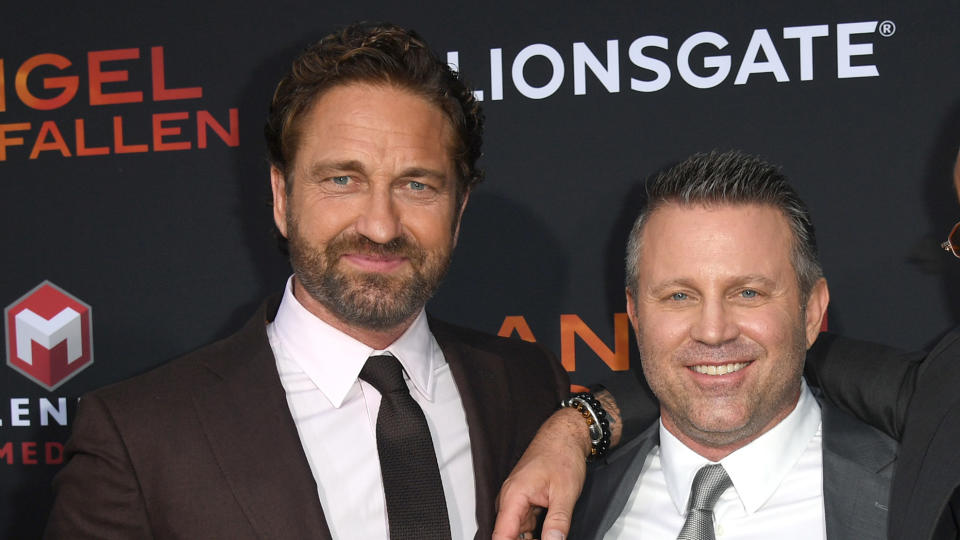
(378, 339)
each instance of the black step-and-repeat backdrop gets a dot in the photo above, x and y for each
(134, 189)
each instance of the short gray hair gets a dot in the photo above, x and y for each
(730, 178)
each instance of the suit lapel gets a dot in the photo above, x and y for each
(858, 464)
(478, 373)
(610, 484)
(632, 466)
(255, 440)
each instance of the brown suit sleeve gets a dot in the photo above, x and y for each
(97, 495)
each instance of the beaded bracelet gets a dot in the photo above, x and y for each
(591, 410)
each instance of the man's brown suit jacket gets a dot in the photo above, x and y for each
(205, 447)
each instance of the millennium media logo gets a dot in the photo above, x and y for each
(49, 334)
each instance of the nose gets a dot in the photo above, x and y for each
(715, 324)
(379, 219)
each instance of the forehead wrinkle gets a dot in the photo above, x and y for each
(402, 150)
(361, 128)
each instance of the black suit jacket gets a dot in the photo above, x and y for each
(917, 399)
(205, 447)
(858, 463)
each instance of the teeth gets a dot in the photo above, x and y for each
(719, 370)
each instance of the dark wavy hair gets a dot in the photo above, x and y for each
(375, 53)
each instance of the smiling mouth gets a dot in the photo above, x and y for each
(375, 263)
(722, 369)
(366, 257)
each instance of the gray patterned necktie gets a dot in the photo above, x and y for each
(709, 483)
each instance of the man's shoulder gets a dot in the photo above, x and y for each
(520, 368)
(447, 333)
(175, 379)
(855, 441)
(942, 359)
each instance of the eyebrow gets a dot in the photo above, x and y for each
(423, 172)
(351, 165)
(671, 284)
(322, 167)
(755, 278)
(735, 282)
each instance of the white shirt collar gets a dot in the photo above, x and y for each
(757, 469)
(333, 360)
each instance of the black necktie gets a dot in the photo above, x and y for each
(416, 507)
(709, 483)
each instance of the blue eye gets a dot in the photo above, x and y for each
(341, 180)
(678, 296)
(748, 293)
(417, 186)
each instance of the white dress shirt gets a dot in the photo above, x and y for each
(336, 418)
(777, 485)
